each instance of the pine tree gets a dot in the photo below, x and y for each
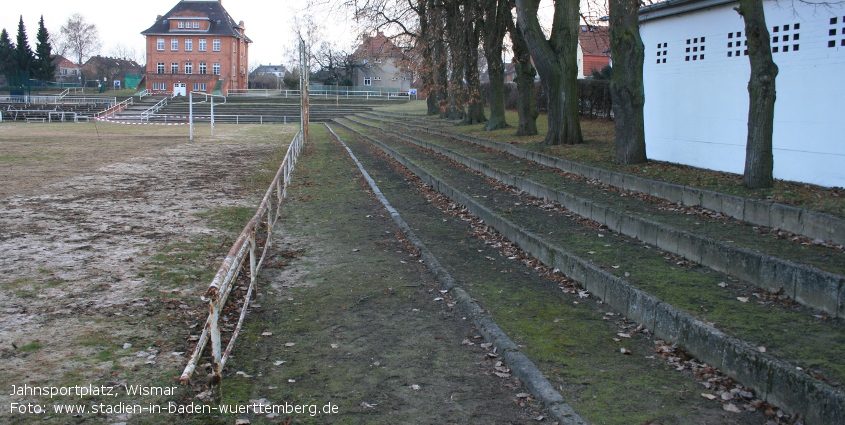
(7, 55)
(23, 54)
(43, 67)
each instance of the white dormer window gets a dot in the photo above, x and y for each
(181, 24)
(196, 25)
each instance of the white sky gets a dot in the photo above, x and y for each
(268, 23)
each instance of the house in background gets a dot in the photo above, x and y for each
(380, 64)
(67, 72)
(110, 72)
(594, 51)
(267, 77)
(196, 46)
(696, 75)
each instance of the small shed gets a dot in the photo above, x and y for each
(696, 75)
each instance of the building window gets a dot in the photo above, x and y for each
(189, 45)
(377, 78)
(203, 87)
(174, 67)
(155, 86)
(189, 68)
(160, 44)
(202, 68)
(201, 46)
(196, 86)
(215, 68)
(181, 24)
(174, 44)
(160, 68)
(215, 44)
(196, 24)
(368, 81)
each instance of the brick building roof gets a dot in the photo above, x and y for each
(222, 23)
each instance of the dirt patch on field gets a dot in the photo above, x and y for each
(81, 217)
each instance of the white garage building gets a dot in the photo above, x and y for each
(696, 75)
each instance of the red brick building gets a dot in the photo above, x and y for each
(196, 46)
(595, 44)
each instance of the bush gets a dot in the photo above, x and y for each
(594, 98)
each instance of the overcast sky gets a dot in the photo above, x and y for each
(267, 22)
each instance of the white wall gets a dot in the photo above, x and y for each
(696, 111)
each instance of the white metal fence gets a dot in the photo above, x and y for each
(245, 246)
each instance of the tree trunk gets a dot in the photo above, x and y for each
(475, 106)
(557, 64)
(497, 15)
(761, 97)
(525, 73)
(497, 96)
(626, 87)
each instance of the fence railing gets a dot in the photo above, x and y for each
(332, 93)
(115, 108)
(153, 109)
(245, 246)
(60, 99)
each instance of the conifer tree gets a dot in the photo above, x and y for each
(7, 55)
(43, 67)
(23, 54)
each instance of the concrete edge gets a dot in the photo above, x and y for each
(519, 364)
(808, 223)
(780, 383)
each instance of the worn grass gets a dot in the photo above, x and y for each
(598, 151)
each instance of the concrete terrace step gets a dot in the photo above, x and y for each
(813, 275)
(719, 322)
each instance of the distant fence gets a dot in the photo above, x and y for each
(331, 93)
(258, 231)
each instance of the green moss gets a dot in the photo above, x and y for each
(32, 346)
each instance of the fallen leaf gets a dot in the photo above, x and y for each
(723, 285)
(278, 362)
(623, 335)
(624, 350)
(523, 395)
(743, 299)
(731, 408)
(415, 387)
(366, 405)
(267, 334)
(708, 396)
(244, 374)
(290, 344)
(502, 374)
(334, 346)
(241, 421)
(761, 349)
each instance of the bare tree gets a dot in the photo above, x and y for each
(79, 38)
(124, 51)
(626, 86)
(496, 15)
(525, 74)
(759, 160)
(556, 59)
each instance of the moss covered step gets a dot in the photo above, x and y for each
(759, 259)
(569, 337)
(812, 224)
(679, 301)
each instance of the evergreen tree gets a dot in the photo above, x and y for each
(23, 54)
(43, 68)
(7, 56)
